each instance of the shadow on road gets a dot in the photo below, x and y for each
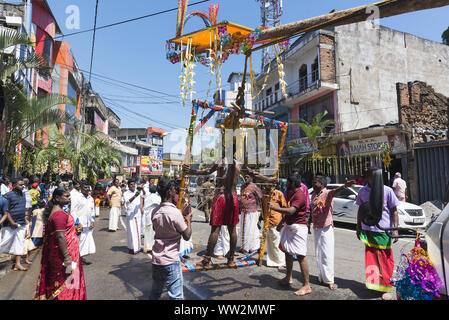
(120, 249)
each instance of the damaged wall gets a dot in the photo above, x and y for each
(423, 111)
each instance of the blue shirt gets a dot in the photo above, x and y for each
(3, 205)
(16, 206)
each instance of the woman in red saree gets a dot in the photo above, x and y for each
(61, 276)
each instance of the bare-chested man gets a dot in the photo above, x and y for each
(225, 207)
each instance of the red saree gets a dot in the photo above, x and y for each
(53, 282)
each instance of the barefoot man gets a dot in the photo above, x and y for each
(225, 207)
(294, 234)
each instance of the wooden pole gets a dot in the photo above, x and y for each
(179, 204)
(267, 198)
(387, 8)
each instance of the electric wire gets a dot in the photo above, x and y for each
(93, 40)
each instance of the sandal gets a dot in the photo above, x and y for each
(205, 263)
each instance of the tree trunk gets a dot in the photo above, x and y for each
(387, 8)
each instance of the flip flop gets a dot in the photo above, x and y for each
(333, 286)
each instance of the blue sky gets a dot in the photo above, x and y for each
(134, 52)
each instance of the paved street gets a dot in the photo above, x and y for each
(114, 274)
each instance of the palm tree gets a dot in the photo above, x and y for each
(95, 154)
(314, 130)
(24, 116)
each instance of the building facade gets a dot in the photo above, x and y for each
(352, 72)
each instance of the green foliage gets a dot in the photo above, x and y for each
(445, 36)
(315, 131)
(24, 116)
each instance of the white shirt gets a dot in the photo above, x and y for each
(132, 208)
(74, 193)
(399, 187)
(4, 189)
(82, 208)
(28, 198)
(151, 201)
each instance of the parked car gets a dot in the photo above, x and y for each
(100, 190)
(345, 209)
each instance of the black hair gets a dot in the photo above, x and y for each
(57, 193)
(153, 188)
(41, 203)
(131, 181)
(15, 180)
(113, 181)
(84, 183)
(322, 180)
(297, 172)
(295, 180)
(163, 186)
(75, 182)
(371, 211)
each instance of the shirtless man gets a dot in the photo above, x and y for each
(225, 207)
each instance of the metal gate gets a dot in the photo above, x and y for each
(433, 172)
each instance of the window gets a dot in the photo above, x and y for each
(46, 53)
(315, 70)
(303, 78)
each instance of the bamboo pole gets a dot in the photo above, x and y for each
(387, 8)
(267, 198)
(179, 204)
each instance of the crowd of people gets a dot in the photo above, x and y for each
(60, 217)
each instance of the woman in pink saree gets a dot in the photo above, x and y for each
(61, 276)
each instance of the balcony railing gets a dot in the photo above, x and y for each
(298, 87)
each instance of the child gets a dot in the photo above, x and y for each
(97, 207)
(37, 229)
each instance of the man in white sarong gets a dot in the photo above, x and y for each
(131, 199)
(294, 234)
(149, 200)
(15, 221)
(114, 195)
(82, 209)
(323, 227)
(249, 198)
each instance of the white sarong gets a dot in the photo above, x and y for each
(133, 225)
(324, 251)
(185, 247)
(12, 241)
(250, 231)
(97, 211)
(87, 243)
(114, 216)
(294, 239)
(275, 257)
(223, 244)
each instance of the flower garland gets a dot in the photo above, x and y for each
(416, 277)
(280, 67)
(187, 73)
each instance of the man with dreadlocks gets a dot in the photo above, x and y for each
(377, 211)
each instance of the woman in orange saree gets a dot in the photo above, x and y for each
(61, 276)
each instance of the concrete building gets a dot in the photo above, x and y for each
(352, 72)
(149, 143)
(172, 168)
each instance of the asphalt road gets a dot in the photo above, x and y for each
(116, 275)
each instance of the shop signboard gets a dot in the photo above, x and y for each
(373, 145)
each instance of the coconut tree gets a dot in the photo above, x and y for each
(315, 131)
(23, 116)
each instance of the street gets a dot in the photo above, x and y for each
(116, 275)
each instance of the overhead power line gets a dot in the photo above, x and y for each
(129, 20)
(93, 40)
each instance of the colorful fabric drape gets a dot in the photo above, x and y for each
(53, 282)
(379, 260)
